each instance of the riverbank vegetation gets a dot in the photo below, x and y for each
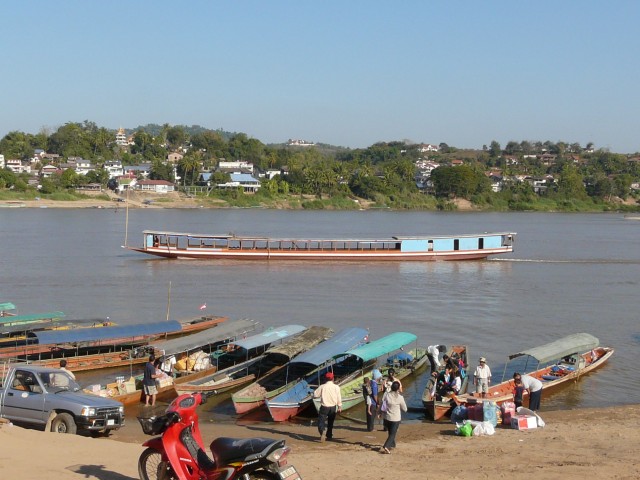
(522, 176)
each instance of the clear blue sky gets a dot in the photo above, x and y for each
(347, 73)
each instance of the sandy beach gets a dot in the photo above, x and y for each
(575, 444)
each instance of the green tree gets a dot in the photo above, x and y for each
(494, 149)
(190, 163)
(69, 178)
(177, 137)
(570, 184)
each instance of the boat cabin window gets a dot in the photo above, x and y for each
(456, 244)
(430, 245)
(480, 243)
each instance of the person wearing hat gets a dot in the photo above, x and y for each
(482, 378)
(330, 404)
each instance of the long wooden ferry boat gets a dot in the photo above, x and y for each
(451, 247)
(562, 362)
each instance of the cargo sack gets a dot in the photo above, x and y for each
(459, 414)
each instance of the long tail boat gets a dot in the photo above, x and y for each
(209, 340)
(351, 386)
(422, 248)
(246, 357)
(46, 344)
(437, 409)
(275, 383)
(347, 366)
(564, 360)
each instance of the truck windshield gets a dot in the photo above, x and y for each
(58, 381)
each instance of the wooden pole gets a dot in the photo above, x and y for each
(169, 301)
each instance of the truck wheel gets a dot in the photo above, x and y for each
(152, 467)
(64, 423)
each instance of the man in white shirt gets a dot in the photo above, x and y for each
(534, 387)
(482, 377)
(330, 404)
(433, 354)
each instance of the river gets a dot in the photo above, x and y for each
(569, 273)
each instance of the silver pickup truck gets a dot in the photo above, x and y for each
(50, 398)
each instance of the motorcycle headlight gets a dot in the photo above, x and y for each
(88, 412)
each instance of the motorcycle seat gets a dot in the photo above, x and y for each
(226, 450)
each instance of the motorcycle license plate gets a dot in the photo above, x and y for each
(289, 473)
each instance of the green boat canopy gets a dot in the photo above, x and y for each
(382, 346)
(569, 345)
(7, 306)
(36, 317)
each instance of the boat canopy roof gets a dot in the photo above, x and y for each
(569, 345)
(270, 335)
(338, 344)
(47, 337)
(311, 337)
(229, 330)
(383, 346)
(36, 317)
(286, 239)
(7, 306)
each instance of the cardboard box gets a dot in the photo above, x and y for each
(524, 422)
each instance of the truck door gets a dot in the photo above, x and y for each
(24, 398)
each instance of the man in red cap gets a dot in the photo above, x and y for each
(330, 404)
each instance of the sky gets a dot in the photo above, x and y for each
(346, 73)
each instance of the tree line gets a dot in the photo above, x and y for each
(385, 173)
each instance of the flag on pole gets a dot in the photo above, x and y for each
(203, 306)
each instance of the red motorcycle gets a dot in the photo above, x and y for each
(179, 454)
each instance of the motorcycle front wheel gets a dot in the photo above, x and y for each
(152, 467)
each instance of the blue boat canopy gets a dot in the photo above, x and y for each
(48, 337)
(227, 331)
(338, 344)
(383, 346)
(269, 336)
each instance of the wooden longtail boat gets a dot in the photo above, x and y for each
(352, 391)
(47, 344)
(275, 357)
(209, 340)
(11, 320)
(277, 382)
(437, 409)
(562, 362)
(351, 387)
(346, 366)
(452, 247)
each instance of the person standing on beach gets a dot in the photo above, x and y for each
(393, 405)
(330, 404)
(482, 378)
(370, 393)
(149, 382)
